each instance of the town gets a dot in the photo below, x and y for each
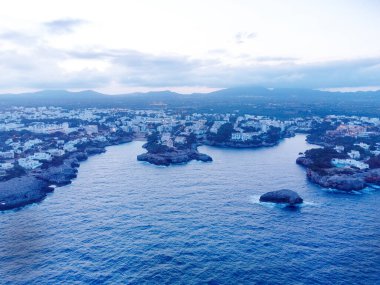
(47, 143)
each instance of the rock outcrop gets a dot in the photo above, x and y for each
(95, 150)
(304, 161)
(233, 144)
(33, 186)
(173, 157)
(345, 180)
(373, 176)
(283, 196)
(21, 191)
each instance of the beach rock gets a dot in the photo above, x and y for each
(373, 176)
(203, 157)
(81, 156)
(59, 175)
(173, 157)
(21, 191)
(153, 159)
(283, 196)
(95, 150)
(304, 161)
(344, 182)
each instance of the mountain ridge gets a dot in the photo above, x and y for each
(250, 99)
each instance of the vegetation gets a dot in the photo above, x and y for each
(153, 145)
(322, 157)
(224, 133)
(374, 162)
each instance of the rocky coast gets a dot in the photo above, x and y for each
(344, 179)
(20, 191)
(173, 156)
(233, 144)
(35, 184)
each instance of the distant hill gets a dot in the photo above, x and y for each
(282, 102)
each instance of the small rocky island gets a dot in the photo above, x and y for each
(182, 151)
(283, 196)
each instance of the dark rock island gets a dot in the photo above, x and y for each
(162, 154)
(283, 196)
(173, 157)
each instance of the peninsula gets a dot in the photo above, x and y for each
(349, 157)
(181, 151)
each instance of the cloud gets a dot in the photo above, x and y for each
(41, 68)
(277, 59)
(241, 38)
(63, 26)
(18, 37)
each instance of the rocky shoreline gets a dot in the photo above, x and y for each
(231, 144)
(35, 185)
(173, 157)
(341, 179)
(20, 191)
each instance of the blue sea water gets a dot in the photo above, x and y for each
(126, 222)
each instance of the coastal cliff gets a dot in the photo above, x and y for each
(21, 191)
(159, 153)
(234, 144)
(320, 170)
(173, 157)
(34, 185)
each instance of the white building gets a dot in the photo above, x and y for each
(56, 152)
(339, 148)
(363, 145)
(180, 140)
(91, 129)
(348, 163)
(215, 127)
(240, 136)
(42, 156)
(31, 143)
(7, 154)
(354, 154)
(6, 166)
(28, 163)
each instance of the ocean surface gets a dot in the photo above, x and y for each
(127, 222)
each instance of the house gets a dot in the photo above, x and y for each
(7, 154)
(91, 129)
(339, 148)
(42, 156)
(6, 166)
(348, 163)
(29, 163)
(354, 154)
(56, 152)
(180, 140)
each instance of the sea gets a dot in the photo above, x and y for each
(128, 222)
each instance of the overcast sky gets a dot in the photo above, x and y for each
(196, 45)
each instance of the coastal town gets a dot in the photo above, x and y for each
(41, 148)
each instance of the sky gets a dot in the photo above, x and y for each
(122, 46)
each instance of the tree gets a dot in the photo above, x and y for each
(191, 139)
(374, 162)
(152, 138)
(224, 132)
